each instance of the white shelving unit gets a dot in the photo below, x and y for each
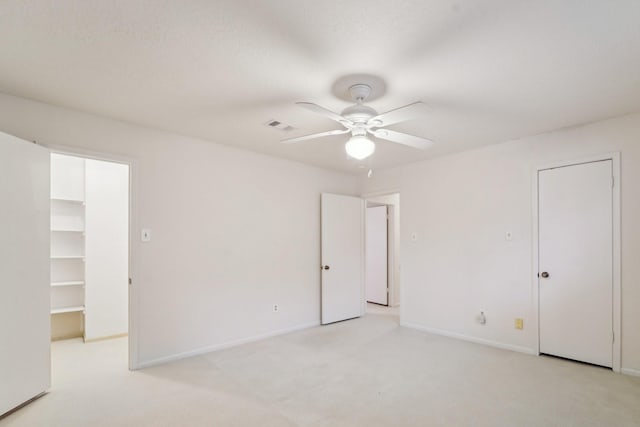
(67, 245)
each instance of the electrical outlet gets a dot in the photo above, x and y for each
(276, 308)
(519, 323)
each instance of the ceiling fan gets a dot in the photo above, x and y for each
(362, 121)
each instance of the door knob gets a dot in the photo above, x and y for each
(326, 267)
(544, 275)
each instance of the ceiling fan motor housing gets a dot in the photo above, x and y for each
(359, 113)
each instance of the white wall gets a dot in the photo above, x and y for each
(234, 232)
(67, 178)
(461, 205)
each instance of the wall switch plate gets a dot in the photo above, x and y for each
(508, 236)
(414, 237)
(145, 235)
(276, 308)
(519, 323)
(482, 318)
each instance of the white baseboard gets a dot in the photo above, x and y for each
(469, 338)
(632, 372)
(216, 347)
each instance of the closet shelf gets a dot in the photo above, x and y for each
(68, 257)
(67, 309)
(79, 202)
(71, 283)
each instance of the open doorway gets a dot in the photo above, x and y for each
(382, 254)
(89, 253)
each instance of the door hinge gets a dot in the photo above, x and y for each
(613, 181)
(130, 281)
(613, 340)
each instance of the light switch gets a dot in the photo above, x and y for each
(414, 236)
(145, 235)
(519, 324)
(508, 236)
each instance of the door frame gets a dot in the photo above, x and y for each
(133, 297)
(617, 300)
(394, 277)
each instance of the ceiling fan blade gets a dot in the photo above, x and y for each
(402, 138)
(315, 135)
(324, 112)
(398, 115)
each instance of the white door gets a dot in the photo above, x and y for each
(576, 262)
(376, 255)
(107, 249)
(24, 272)
(342, 257)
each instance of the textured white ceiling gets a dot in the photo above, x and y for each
(490, 70)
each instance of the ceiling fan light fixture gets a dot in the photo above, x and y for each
(359, 147)
(362, 120)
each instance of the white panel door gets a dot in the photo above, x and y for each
(24, 272)
(107, 249)
(376, 255)
(342, 257)
(576, 262)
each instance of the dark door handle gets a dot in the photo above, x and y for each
(326, 267)
(544, 275)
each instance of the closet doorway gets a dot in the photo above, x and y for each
(377, 254)
(382, 253)
(89, 249)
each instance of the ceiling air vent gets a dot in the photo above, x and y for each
(276, 124)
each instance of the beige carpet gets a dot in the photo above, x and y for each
(381, 309)
(365, 372)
